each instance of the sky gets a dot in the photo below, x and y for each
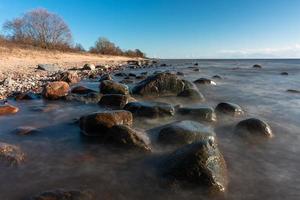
(179, 28)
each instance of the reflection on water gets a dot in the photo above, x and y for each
(58, 156)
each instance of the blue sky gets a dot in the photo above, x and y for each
(180, 28)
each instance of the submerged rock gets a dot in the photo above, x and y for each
(92, 97)
(217, 77)
(229, 109)
(253, 127)
(161, 84)
(82, 90)
(26, 96)
(198, 164)
(293, 91)
(10, 155)
(127, 137)
(25, 130)
(192, 93)
(180, 73)
(284, 73)
(257, 66)
(184, 132)
(150, 109)
(98, 124)
(202, 113)
(114, 100)
(56, 90)
(204, 81)
(112, 87)
(7, 109)
(65, 195)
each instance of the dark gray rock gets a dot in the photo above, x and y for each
(150, 109)
(252, 128)
(82, 90)
(202, 113)
(257, 66)
(192, 93)
(184, 132)
(204, 81)
(229, 109)
(114, 100)
(284, 73)
(197, 164)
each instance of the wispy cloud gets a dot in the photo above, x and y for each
(292, 51)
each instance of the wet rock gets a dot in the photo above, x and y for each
(89, 67)
(10, 155)
(98, 124)
(82, 90)
(25, 96)
(127, 137)
(184, 132)
(196, 70)
(196, 64)
(111, 87)
(141, 77)
(56, 90)
(48, 67)
(150, 109)
(132, 74)
(7, 109)
(25, 130)
(192, 94)
(127, 81)
(201, 113)
(65, 195)
(161, 84)
(253, 127)
(92, 97)
(257, 66)
(204, 81)
(122, 74)
(229, 109)
(163, 65)
(105, 77)
(180, 73)
(284, 73)
(198, 164)
(114, 100)
(217, 77)
(69, 77)
(293, 91)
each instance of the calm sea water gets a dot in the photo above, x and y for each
(59, 157)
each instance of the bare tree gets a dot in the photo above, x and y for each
(41, 27)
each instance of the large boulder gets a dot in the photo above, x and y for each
(150, 109)
(161, 84)
(184, 132)
(98, 124)
(7, 109)
(112, 87)
(192, 93)
(229, 109)
(56, 90)
(114, 100)
(197, 164)
(69, 77)
(10, 155)
(129, 138)
(253, 128)
(202, 113)
(65, 195)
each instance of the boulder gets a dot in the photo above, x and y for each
(192, 93)
(198, 164)
(184, 132)
(114, 100)
(229, 109)
(204, 81)
(82, 90)
(89, 67)
(150, 109)
(10, 155)
(129, 138)
(161, 84)
(56, 90)
(61, 194)
(253, 128)
(69, 77)
(98, 124)
(48, 67)
(257, 66)
(7, 109)
(105, 77)
(202, 113)
(92, 97)
(112, 87)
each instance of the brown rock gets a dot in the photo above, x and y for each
(7, 109)
(56, 90)
(10, 155)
